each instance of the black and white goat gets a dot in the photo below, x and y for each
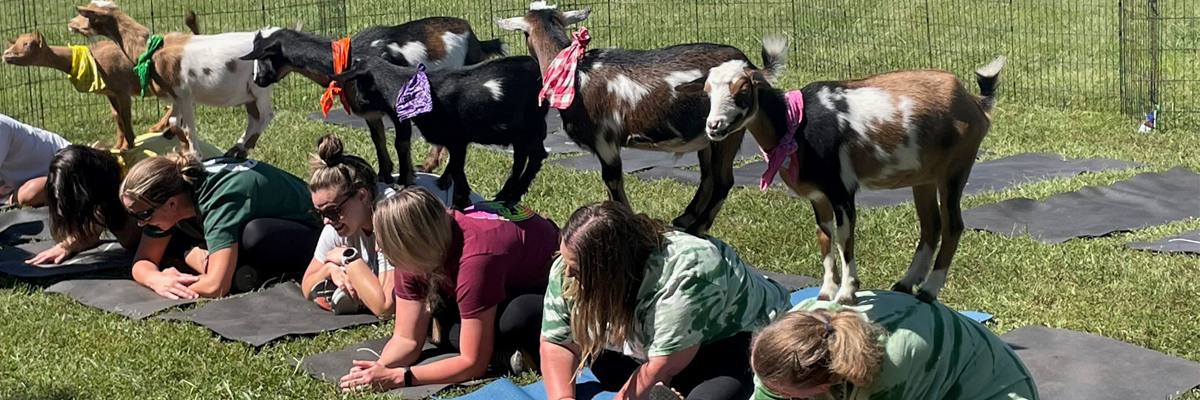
(437, 42)
(627, 98)
(914, 128)
(494, 102)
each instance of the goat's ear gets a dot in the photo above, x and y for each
(571, 17)
(513, 24)
(86, 12)
(694, 86)
(759, 80)
(11, 40)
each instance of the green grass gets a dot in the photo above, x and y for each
(55, 348)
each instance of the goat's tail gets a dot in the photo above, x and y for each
(493, 48)
(987, 77)
(190, 21)
(774, 55)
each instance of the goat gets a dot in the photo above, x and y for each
(188, 69)
(627, 98)
(437, 42)
(112, 68)
(912, 128)
(494, 102)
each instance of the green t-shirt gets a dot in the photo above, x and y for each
(932, 353)
(694, 292)
(234, 192)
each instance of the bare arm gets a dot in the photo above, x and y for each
(657, 369)
(558, 369)
(373, 291)
(476, 340)
(170, 284)
(317, 271)
(218, 277)
(412, 322)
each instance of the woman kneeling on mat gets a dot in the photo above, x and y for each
(347, 271)
(644, 305)
(485, 267)
(891, 346)
(252, 219)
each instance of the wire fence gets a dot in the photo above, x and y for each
(1121, 56)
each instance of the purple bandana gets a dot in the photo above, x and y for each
(414, 98)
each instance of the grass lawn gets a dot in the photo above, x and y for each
(55, 348)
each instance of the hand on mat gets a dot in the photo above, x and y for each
(370, 374)
(53, 255)
(173, 284)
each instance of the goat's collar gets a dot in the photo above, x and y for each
(84, 74)
(341, 57)
(785, 150)
(559, 79)
(145, 62)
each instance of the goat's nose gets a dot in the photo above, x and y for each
(714, 124)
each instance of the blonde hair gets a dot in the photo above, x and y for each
(156, 179)
(804, 349)
(332, 168)
(611, 245)
(414, 232)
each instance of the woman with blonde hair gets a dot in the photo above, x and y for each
(888, 346)
(252, 220)
(484, 267)
(645, 306)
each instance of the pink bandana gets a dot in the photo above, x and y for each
(785, 150)
(559, 80)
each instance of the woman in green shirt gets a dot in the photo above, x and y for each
(890, 346)
(252, 219)
(657, 306)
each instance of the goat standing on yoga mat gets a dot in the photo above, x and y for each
(494, 102)
(918, 128)
(186, 69)
(613, 98)
(437, 42)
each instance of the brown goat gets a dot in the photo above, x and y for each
(914, 128)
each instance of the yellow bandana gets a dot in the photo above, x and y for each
(85, 75)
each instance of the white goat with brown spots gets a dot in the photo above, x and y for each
(913, 128)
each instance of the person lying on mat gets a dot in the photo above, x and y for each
(891, 346)
(484, 267)
(252, 219)
(654, 305)
(25, 151)
(82, 195)
(348, 272)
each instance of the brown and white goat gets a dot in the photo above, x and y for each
(189, 69)
(913, 128)
(627, 98)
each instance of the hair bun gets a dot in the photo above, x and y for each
(330, 150)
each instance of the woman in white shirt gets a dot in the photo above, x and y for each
(25, 153)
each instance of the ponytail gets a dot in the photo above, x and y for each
(156, 179)
(805, 349)
(333, 169)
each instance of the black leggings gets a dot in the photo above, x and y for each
(270, 249)
(720, 371)
(518, 323)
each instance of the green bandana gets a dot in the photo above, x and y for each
(144, 61)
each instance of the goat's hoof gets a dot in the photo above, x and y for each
(683, 221)
(826, 294)
(902, 288)
(846, 297)
(925, 297)
(237, 152)
(444, 183)
(387, 178)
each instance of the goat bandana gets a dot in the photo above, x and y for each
(414, 98)
(85, 75)
(559, 80)
(341, 56)
(786, 148)
(146, 61)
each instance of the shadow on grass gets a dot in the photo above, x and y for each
(57, 393)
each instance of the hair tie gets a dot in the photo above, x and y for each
(828, 329)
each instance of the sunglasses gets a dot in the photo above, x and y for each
(333, 213)
(144, 214)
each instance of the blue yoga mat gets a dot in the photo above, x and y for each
(587, 387)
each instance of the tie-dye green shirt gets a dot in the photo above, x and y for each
(695, 292)
(932, 353)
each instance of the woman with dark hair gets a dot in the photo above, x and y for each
(645, 306)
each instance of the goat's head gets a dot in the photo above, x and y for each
(95, 18)
(359, 84)
(543, 22)
(25, 48)
(267, 54)
(732, 89)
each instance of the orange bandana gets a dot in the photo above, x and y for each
(341, 56)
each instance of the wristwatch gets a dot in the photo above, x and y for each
(349, 255)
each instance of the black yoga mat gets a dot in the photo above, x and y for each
(23, 225)
(789, 281)
(1186, 242)
(260, 317)
(1145, 199)
(634, 160)
(331, 366)
(121, 296)
(108, 255)
(747, 175)
(1069, 365)
(556, 141)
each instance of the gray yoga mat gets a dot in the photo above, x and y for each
(789, 281)
(260, 317)
(747, 175)
(1069, 365)
(1186, 242)
(634, 160)
(121, 296)
(107, 255)
(331, 366)
(23, 225)
(556, 141)
(1143, 200)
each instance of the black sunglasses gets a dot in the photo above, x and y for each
(334, 212)
(144, 214)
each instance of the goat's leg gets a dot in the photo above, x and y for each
(845, 238)
(703, 191)
(520, 156)
(537, 154)
(433, 159)
(379, 139)
(826, 233)
(403, 144)
(163, 123)
(609, 154)
(121, 114)
(185, 109)
(952, 229)
(721, 163)
(454, 168)
(266, 113)
(925, 198)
